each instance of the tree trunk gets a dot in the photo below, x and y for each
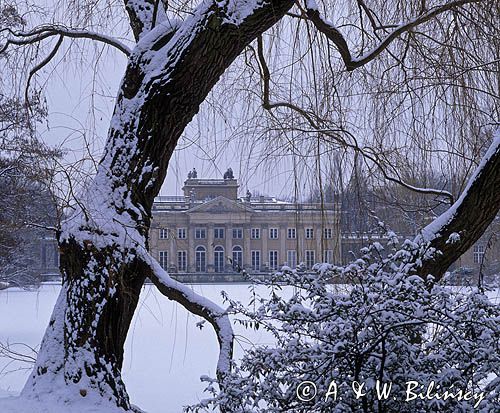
(102, 244)
(455, 231)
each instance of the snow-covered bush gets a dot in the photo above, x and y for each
(387, 325)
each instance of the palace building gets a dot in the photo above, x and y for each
(210, 234)
(210, 230)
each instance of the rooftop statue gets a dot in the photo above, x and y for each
(229, 174)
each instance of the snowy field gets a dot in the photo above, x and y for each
(166, 353)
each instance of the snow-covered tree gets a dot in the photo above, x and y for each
(179, 53)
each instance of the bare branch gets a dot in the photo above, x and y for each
(334, 34)
(266, 78)
(47, 227)
(200, 306)
(9, 351)
(315, 124)
(40, 66)
(43, 32)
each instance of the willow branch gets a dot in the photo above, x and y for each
(43, 32)
(315, 124)
(40, 66)
(335, 36)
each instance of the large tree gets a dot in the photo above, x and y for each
(172, 67)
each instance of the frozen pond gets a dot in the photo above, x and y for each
(165, 352)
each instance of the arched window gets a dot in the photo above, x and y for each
(219, 258)
(237, 257)
(201, 259)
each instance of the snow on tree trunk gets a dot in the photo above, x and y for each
(456, 230)
(103, 244)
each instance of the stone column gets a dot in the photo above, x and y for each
(172, 255)
(191, 257)
(228, 252)
(264, 233)
(247, 261)
(301, 244)
(337, 252)
(210, 248)
(282, 235)
(318, 233)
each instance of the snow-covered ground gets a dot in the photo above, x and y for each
(166, 353)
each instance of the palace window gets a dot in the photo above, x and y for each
(273, 260)
(181, 233)
(273, 233)
(291, 258)
(219, 258)
(181, 260)
(255, 233)
(328, 256)
(328, 233)
(237, 257)
(200, 233)
(291, 233)
(310, 259)
(256, 260)
(201, 259)
(237, 233)
(163, 259)
(309, 233)
(478, 253)
(163, 233)
(218, 233)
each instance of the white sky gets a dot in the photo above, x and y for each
(81, 100)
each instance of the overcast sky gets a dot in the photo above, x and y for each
(81, 98)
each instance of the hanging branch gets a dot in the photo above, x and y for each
(335, 36)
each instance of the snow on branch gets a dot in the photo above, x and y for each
(146, 15)
(141, 14)
(40, 33)
(334, 34)
(433, 230)
(198, 305)
(455, 231)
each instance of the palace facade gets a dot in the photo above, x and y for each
(211, 230)
(211, 234)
